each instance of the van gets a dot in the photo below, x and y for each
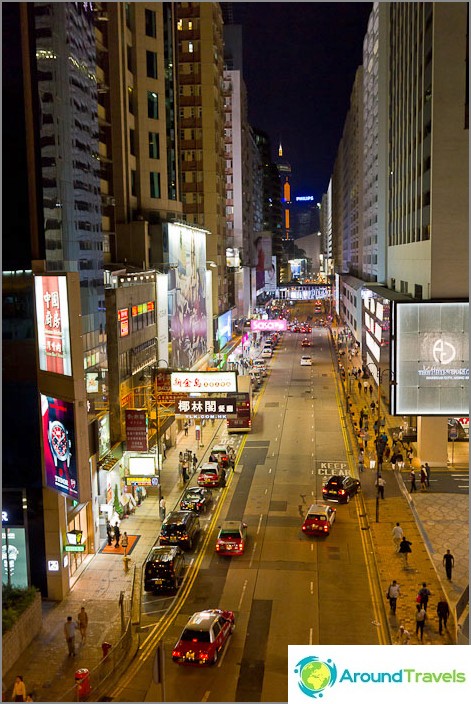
(180, 528)
(164, 569)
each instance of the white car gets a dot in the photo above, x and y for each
(306, 361)
(266, 353)
(259, 365)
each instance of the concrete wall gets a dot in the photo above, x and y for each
(14, 642)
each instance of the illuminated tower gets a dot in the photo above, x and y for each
(284, 169)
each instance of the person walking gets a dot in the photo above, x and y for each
(117, 535)
(82, 620)
(413, 485)
(443, 611)
(448, 563)
(19, 690)
(397, 534)
(380, 483)
(365, 386)
(162, 508)
(423, 479)
(420, 617)
(125, 542)
(370, 389)
(69, 632)
(424, 594)
(410, 456)
(359, 387)
(427, 474)
(185, 427)
(361, 461)
(403, 637)
(405, 549)
(392, 595)
(194, 462)
(185, 467)
(109, 532)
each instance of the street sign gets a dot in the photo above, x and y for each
(325, 468)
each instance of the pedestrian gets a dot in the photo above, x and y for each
(448, 563)
(405, 548)
(424, 594)
(361, 461)
(29, 698)
(164, 449)
(427, 474)
(397, 534)
(443, 611)
(185, 467)
(380, 483)
(403, 636)
(223, 476)
(162, 508)
(410, 456)
(393, 461)
(365, 386)
(370, 389)
(400, 461)
(423, 479)
(19, 690)
(195, 462)
(392, 595)
(185, 427)
(117, 535)
(82, 620)
(373, 407)
(109, 532)
(69, 632)
(420, 617)
(359, 387)
(413, 485)
(125, 542)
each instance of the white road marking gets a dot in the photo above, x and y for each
(205, 696)
(259, 523)
(242, 595)
(312, 587)
(310, 636)
(253, 554)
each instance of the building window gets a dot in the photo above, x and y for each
(132, 147)
(150, 24)
(127, 10)
(152, 105)
(418, 292)
(133, 183)
(131, 100)
(154, 147)
(190, 47)
(404, 287)
(154, 184)
(151, 62)
(129, 57)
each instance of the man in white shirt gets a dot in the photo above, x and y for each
(397, 535)
(393, 593)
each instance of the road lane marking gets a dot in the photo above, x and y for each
(242, 595)
(205, 696)
(253, 555)
(259, 523)
(310, 636)
(312, 587)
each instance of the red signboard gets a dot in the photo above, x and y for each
(123, 318)
(136, 430)
(52, 314)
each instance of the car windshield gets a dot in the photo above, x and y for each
(316, 517)
(172, 529)
(196, 636)
(209, 470)
(229, 535)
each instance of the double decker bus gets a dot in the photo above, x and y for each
(242, 421)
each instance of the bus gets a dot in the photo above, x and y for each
(242, 421)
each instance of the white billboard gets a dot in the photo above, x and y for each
(208, 382)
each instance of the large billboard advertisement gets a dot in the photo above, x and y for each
(207, 382)
(14, 557)
(188, 315)
(52, 316)
(136, 430)
(262, 258)
(60, 450)
(431, 359)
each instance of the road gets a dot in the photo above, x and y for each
(286, 588)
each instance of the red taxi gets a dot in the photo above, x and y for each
(232, 538)
(203, 637)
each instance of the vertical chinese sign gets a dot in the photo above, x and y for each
(52, 312)
(136, 431)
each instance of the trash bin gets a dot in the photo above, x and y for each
(105, 647)
(82, 682)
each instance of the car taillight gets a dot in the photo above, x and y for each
(176, 654)
(324, 490)
(218, 547)
(241, 545)
(203, 656)
(341, 492)
(326, 529)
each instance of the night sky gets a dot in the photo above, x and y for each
(300, 60)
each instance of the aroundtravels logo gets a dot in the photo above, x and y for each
(315, 675)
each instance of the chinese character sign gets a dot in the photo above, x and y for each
(60, 459)
(52, 313)
(188, 405)
(205, 382)
(136, 431)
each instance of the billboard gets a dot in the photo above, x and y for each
(207, 382)
(222, 406)
(187, 294)
(224, 331)
(14, 557)
(431, 359)
(52, 320)
(262, 258)
(59, 446)
(278, 325)
(136, 430)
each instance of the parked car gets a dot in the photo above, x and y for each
(210, 474)
(180, 528)
(203, 637)
(232, 538)
(341, 489)
(319, 520)
(306, 361)
(259, 365)
(266, 353)
(306, 343)
(221, 452)
(164, 569)
(196, 498)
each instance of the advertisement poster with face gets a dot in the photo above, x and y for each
(60, 461)
(187, 248)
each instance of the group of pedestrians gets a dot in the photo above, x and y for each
(19, 691)
(114, 532)
(423, 595)
(71, 627)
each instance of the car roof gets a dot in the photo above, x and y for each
(203, 620)
(209, 466)
(338, 478)
(164, 553)
(219, 448)
(178, 517)
(306, 356)
(319, 508)
(230, 525)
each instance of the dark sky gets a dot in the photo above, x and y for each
(300, 60)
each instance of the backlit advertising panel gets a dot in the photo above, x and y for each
(59, 447)
(431, 359)
(268, 325)
(14, 558)
(187, 291)
(53, 331)
(208, 382)
(136, 430)
(224, 332)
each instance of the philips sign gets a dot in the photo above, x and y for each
(304, 198)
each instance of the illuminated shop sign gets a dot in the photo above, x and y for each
(208, 382)
(136, 430)
(123, 320)
(60, 452)
(14, 562)
(142, 466)
(304, 198)
(431, 359)
(53, 330)
(204, 406)
(224, 333)
(142, 481)
(74, 538)
(268, 325)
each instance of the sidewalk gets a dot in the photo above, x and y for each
(45, 666)
(433, 522)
